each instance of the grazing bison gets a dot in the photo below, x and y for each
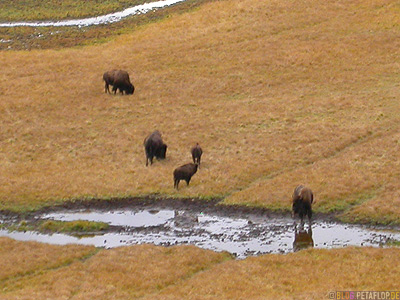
(119, 79)
(184, 172)
(302, 239)
(196, 154)
(302, 200)
(154, 147)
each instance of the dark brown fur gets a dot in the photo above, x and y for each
(196, 154)
(302, 200)
(119, 79)
(184, 172)
(154, 147)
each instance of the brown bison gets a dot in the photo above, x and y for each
(196, 154)
(302, 239)
(154, 147)
(119, 79)
(184, 172)
(302, 200)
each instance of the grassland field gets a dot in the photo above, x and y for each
(277, 93)
(58, 10)
(28, 38)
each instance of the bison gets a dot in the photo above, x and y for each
(154, 147)
(119, 79)
(184, 172)
(302, 200)
(196, 154)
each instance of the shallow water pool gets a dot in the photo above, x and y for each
(242, 235)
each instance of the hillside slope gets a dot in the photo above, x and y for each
(276, 92)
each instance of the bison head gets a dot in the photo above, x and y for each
(130, 89)
(161, 152)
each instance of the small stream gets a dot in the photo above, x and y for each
(105, 19)
(241, 235)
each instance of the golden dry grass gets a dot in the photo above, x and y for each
(27, 38)
(186, 272)
(277, 93)
(27, 260)
(310, 274)
(121, 273)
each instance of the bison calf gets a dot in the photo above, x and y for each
(302, 200)
(118, 79)
(184, 172)
(154, 147)
(196, 154)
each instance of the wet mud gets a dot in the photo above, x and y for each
(241, 231)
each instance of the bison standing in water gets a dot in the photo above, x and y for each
(119, 79)
(184, 172)
(196, 154)
(154, 147)
(302, 200)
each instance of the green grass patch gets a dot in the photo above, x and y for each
(344, 204)
(369, 218)
(72, 227)
(51, 226)
(21, 226)
(393, 243)
(333, 206)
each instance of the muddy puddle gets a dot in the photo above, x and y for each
(241, 233)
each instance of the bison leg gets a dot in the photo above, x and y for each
(149, 154)
(106, 88)
(176, 184)
(114, 89)
(309, 215)
(301, 217)
(294, 209)
(188, 180)
(149, 159)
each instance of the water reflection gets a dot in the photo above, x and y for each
(240, 234)
(302, 238)
(185, 218)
